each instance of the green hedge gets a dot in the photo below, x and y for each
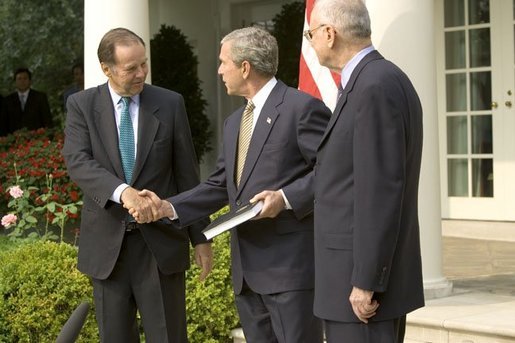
(211, 313)
(40, 287)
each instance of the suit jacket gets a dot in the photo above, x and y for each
(273, 255)
(35, 115)
(366, 189)
(165, 163)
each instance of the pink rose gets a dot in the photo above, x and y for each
(16, 192)
(9, 219)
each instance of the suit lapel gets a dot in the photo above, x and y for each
(106, 126)
(148, 124)
(374, 55)
(232, 146)
(264, 125)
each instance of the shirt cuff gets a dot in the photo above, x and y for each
(117, 194)
(286, 202)
(175, 216)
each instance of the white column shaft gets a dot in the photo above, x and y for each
(101, 16)
(403, 31)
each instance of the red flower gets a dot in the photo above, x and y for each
(74, 196)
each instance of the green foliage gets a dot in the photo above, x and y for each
(174, 66)
(40, 286)
(288, 31)
(39, 289)
(211, 312)
(45, 36)
(32, 160)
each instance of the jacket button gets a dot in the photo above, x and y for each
(238, 203)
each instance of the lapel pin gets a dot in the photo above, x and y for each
(268, 120)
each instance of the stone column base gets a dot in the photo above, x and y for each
(438, 288)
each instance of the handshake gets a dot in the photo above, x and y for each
(145, 206)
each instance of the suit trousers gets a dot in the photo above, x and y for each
(136, 284)
(387, 331)
(285, 317)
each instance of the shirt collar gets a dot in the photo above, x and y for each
(354, 61)
(260, 98)
(116, 98)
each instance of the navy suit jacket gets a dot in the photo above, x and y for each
(366, 189)
(273, 255)
(165, 164)
(35, 115)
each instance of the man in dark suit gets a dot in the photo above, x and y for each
(367, 249)
(26, 107)
(78, 82)
(123, 136)
(272, 257)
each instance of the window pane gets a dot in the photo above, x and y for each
(479, 11)
(480, 48)
(456, 92)
(455, 49)
(482, 177)
(481, 134)
(457, 177)
(454, 13)
(457, 135)
(480, 91)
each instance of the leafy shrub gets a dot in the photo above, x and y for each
(27, 159)
(288, 26)
(211, 313)
(176, 69)
(40, 286)
(39, 289)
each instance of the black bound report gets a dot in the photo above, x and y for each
(231, 219)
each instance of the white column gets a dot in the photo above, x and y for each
(403, 31)
(101, 16)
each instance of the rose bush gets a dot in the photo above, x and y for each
(34, 185)
(36, 154)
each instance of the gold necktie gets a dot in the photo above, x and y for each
(244, 139)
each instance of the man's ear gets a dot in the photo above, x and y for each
(245, 65)
(106, 69)
(330, 35)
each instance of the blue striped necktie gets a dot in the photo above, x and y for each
(126, 141)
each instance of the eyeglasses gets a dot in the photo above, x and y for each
(308, 34)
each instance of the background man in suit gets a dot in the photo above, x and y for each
(133, 266)
(26, 107)
(272, 258)
(78, 82)
(367, 249)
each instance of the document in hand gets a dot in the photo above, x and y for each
(233, 218)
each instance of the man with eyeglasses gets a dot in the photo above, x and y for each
(367, 250)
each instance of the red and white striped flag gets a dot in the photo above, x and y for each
(313, 78)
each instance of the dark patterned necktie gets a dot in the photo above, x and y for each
(126, 142)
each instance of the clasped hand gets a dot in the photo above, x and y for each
(145, 206)
(363, 305)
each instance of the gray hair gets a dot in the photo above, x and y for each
(256, 46)
(349, 17)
